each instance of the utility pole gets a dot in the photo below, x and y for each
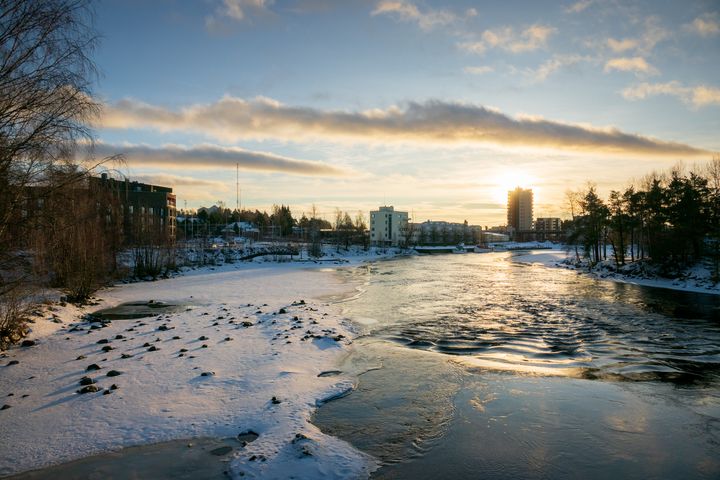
(237, 187)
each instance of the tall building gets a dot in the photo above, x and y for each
(520, 213)
(388, 227)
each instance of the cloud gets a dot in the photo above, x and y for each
(406, 11)
(434, 121)
(636, 65)
(578, 6)
(204, 156)
(652, 33)
(235, 11)
(619, 46)
(699, 96)
(529, 39)
(481, 70)
(555, 63)
(706, 25)
(180, 181)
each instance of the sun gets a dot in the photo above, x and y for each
(509, 180)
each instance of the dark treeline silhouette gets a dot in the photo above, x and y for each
(671, 220)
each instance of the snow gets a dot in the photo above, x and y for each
(695, 279)
(163, 396)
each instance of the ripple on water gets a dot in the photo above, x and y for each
(541, 320)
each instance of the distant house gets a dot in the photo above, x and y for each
(548, 228)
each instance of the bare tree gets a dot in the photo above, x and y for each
(46, 105)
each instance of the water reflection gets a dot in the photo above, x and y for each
(491, 312)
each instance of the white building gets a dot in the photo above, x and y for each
(388, 227)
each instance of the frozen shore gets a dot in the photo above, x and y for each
(695, 280)
(246, 354)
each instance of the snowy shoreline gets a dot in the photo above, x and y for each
(557, 259)
(218, 379)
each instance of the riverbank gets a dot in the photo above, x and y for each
(247, 354)
(696, 279)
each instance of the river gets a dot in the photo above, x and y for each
(480, 366)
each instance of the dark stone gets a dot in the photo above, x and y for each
(89, 389)
(203, 346)
(207, 374)
(329, 373)
(275, 400)
(125, 355)
(176, 337)
(203, 338)
(102, 341)
(153, 349)
(13, 362)
(113, 373)
(220, 451)
(107, 348)
(86, 381)
(228, 339)
(183, 350)
(5, 407)
(119, 337)
(248, 436)
(145, 345)
(92, 366)
(106, 392)
(163, 328)
(81, 357)
(28, 343)
(282, 311)
(113, 387)
(247, 324)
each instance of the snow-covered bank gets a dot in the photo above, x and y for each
(696, 279)
(246, 354)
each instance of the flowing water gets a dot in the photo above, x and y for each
(481, 366)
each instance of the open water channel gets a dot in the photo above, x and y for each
(480, 366)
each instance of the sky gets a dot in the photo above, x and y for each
(435, 107)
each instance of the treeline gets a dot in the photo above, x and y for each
(670, 219)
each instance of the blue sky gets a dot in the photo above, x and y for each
(434, 107)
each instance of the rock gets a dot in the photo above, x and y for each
(5, 407)
(113, 373)
(125, 355)
(89, 389)
(145, 345)
(275, 400)
(107, 348)
(247, 324)
(12, 362)
(102, 341)
(183, 350)
(203, 346)
(176, 337)
(28, 343)
(114, 387)
(119, 337)
(153, 349)
(220, 451)
(203, 338)
(106, 392)
(248, 436)
(228, 339)
(163, 328)
(329, 373)
(86, 381)
(281, 311)
(207, 374)
(92, 367)
(81, 357)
